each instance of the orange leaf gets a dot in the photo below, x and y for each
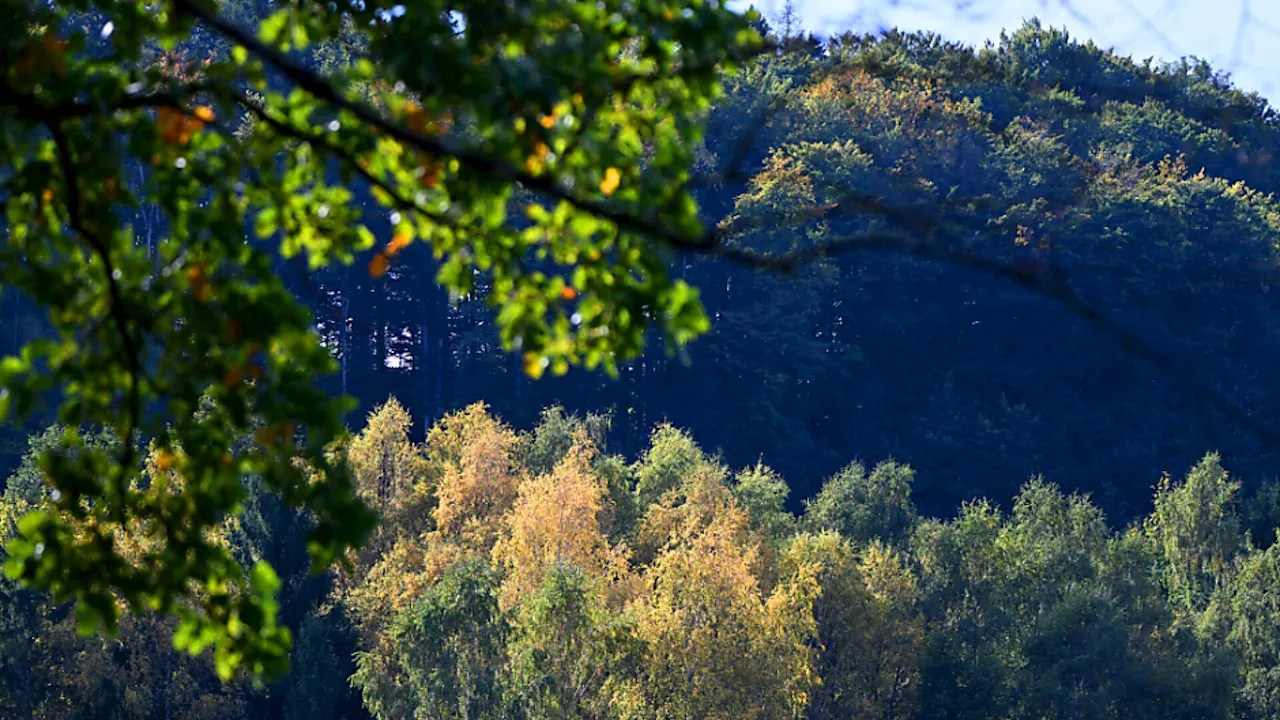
(199, 284)
(568, 293)
(537, 160)
(398, 243)
(164, 460)
(378, 266)
(169, 121)
(176, 127)
(533, 365)
(431, 168)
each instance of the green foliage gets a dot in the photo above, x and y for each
(319, 673)
(671, 456)
(568, 650)
(1197, 528)
(551, 439)
(448, 645)
(578, 118)
(1245, 613)
(862, 506)
(763, 493)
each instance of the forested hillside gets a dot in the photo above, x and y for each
(537, 574)
(302, 370)
(1146, 185)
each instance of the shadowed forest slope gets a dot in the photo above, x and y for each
(1147, 186)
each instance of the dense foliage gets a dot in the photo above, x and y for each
(1036, 257)
(538, 575)
(161, 164)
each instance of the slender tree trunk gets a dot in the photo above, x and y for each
(28, 705)
(346, 326)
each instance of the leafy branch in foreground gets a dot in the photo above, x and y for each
(582, 115)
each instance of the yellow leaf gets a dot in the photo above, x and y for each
(536, 162)
(612, 178)
(533, 365)
(203, 113)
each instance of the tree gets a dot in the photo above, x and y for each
(763, 493)
(447, 653)
(555, 523)
(391, 477)
(568, 652)
(716, 645)
(870, 633)
(672, 456)
(1244, 614)
(862, 506)
(481, 485)
(1197, 529)
(533, 111)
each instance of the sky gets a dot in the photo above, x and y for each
(1241, 37)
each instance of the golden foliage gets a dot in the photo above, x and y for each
(870, 633)
(555, 521)
(716, 646)
(480, 486)
(386, 464)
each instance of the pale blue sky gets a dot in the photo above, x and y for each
(1241, 36)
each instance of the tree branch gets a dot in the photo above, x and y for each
(647, 224)
(118, 311)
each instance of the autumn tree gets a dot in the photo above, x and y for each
(716, 644)
(870, 632)
(556, 522)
